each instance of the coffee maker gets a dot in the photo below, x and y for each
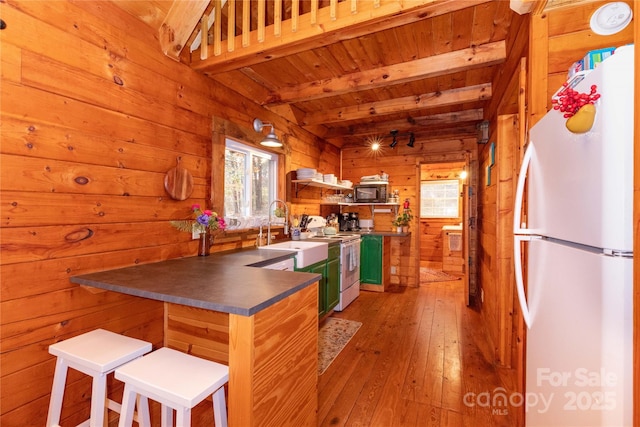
(354, 221)
(343, 220)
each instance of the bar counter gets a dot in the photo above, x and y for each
(262, 323)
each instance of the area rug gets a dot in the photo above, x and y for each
(428, 275)
(333, 336)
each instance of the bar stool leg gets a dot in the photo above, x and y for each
(219, 408)
(183, 417)
(57, 393)
(166, 416)
(144, 420)
(98, 400)
(128, 403)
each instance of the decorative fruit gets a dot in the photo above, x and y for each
(570, 101)
(582, 121)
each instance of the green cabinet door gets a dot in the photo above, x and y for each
(332, 295)
(321, 269)
(371, 260)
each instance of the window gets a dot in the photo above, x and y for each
(439, 199)
(250, 182)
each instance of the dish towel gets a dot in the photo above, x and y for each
(353, 262)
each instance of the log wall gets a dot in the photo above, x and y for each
(93, 116)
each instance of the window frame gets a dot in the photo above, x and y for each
(274, 166)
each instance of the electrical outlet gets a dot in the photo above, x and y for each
(393, 269)
(195, 234)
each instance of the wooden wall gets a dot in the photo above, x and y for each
(403, 166)
(93, 115)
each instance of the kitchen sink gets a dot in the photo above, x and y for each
(307, 253)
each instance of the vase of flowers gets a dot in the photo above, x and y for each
(205, 222)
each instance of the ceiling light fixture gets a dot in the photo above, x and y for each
(396, 134)
(483, 131)
(463, 174)
(271, 140)
(374, 142)
(412, 140)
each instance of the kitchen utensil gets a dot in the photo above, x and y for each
(178, 182)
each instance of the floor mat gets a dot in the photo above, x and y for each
(333, 336)
(429, 275)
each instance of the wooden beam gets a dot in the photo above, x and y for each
(538, 68)
(433, 66)
(415, 124)
(480, 92)
(182, 19)
(369, 19)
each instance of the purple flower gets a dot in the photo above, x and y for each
(203, 219)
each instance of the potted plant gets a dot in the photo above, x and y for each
(403, 220)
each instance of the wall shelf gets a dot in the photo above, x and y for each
(317, 183)
(301, 184)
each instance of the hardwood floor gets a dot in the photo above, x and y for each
(418, 357)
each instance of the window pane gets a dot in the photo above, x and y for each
(439, 199)
(250, 184)
(261, 178)
(234, 183)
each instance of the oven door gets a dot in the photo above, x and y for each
(350, 269)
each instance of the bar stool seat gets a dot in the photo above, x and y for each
(97, 354)
(178, 381)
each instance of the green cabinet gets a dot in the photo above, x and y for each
(329, 284)
(371, 261)
(332, 294)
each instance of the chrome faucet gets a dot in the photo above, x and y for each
(286, 217)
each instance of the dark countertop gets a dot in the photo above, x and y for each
(383, 233)
(229, 282)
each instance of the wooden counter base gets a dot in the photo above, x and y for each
(272, 357)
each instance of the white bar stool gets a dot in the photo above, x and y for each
(178, 381)
(97, 354)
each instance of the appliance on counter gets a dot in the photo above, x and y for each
(349, 266)
(578, 304)
(315, 222)
(349, 221)
(371, 193)
(344, 221)
(354, 221)
(366, 225)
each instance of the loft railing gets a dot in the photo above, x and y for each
(261, 31)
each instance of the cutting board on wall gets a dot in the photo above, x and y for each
(178, 182)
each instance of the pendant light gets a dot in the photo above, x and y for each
(271, 140)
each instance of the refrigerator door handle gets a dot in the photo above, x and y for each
(517, 214)
(517, 259)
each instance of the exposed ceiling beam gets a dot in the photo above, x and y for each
(367, 20)
(423, 136)
(433, 66)
(414, 124)
(480, 92)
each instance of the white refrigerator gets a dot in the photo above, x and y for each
(577, 299)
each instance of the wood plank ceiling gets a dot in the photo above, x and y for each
(426, 70)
